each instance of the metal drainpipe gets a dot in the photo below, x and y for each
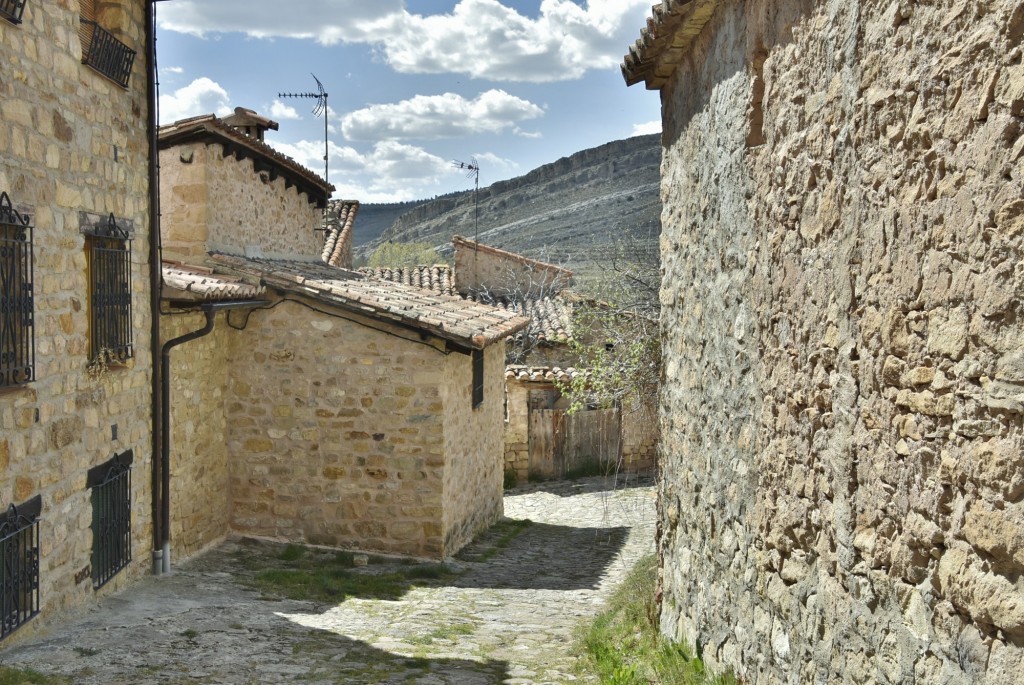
(210, 310)
(155, 276)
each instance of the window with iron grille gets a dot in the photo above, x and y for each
(17, 329)
(101, 50)
(111, 487)
(11, 10)
(19, 565)
(110, 292)
(478, 378)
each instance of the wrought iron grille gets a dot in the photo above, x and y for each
(11, 10)
(478, 378)
(110, 295)
(17, 328)
(19, 565)
(107, 55)
(111, 485)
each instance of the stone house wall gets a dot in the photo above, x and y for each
(72, 141)
(337, 433)
(480, 268)
(218, 203)
(517, 429)
(200, 501)
(473, 477)
(843, 398)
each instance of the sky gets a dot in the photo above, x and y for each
(413, 86)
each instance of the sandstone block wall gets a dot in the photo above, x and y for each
(336, 432)
(481, 268)
(200, 495)
(843, 398)
(72, 141)
(473, 447)
(212, 202)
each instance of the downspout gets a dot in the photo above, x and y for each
(210, 310)
(155, 278)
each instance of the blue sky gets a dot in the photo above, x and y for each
(412, 84)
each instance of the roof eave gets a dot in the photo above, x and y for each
(666, 41)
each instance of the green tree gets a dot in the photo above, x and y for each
(397, 255)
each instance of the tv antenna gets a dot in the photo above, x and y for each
(320, 108)
(473, 170)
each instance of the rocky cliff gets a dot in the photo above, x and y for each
(565, 212)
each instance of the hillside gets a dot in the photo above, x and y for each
(567, 212)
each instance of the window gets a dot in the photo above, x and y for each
(19, 565)
(101, 50)
(110, 291)
(111, 487)
(478, 378)
(11, 10)
(17, 330)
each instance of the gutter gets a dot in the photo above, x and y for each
(155, 274)
(162, 551)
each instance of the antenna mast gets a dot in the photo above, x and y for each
(473, 169)
(320, 108)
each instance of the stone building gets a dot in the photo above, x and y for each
(843, 399)
(541, 438)
(75, 359)
(314, 404)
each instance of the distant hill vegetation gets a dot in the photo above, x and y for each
(569, 212)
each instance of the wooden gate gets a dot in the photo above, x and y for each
(562, 444)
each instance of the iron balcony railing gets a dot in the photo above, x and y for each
(111, 485)
(11, 10)
(19, 565)
(108, 55)
(17, 327)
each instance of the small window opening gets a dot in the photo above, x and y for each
(17, 310)
(19, 565)
(478, 378)
(111, 517)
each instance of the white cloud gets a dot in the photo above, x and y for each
(645, 128)
(490, 162)
(395, 171)
(479, 38)
(174, 70)
(430, 117)
(202, 96)
(279, 110)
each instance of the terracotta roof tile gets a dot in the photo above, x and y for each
(185, 282)
(541, 374)
(341, 216)
(463, 321)
(666, 40)
(437, 278)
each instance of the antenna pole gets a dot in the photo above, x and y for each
(320, 108)
(473, 168)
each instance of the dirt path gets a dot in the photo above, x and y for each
(506, 615)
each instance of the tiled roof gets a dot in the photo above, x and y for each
(665, 42)
(207, 129)
(341, 215)
(550, 317)
(437, 278)
(183, 282)
(541, 374)
(465, 322)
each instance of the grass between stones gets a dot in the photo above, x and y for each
(19, 676)
(623, 646)
(315, 575)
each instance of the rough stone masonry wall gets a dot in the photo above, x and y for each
(220, 203)
(73, 141)
(473, 447)
(200, 498)
(843, 397)
(336, 434)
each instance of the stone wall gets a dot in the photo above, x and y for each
(212, 202)
(337, 434)
(473, 447)
(200, 496)
(843, 396)
(480, 268)
(72, 141)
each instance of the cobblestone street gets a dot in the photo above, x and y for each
(507, 615)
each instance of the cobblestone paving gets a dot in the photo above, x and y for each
(506, 616)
